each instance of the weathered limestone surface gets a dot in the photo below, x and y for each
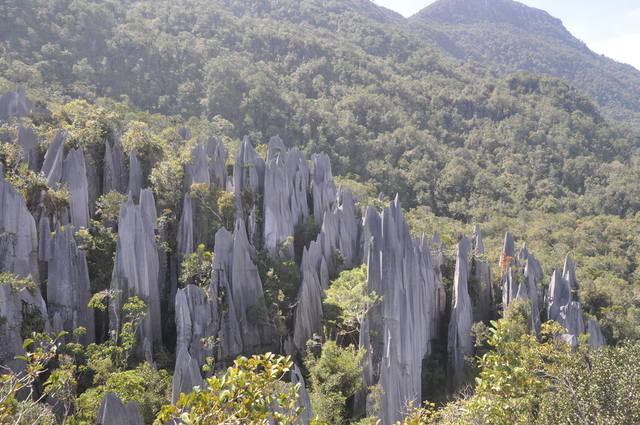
(285, 194)
(186, 375)
(528, 288)
(562, 304)
(248, 186)
(53, 158)
(315, 279)
(303, 396)
(135, 176)
(113, 412)
(74, 175)
(323, 187)
(196, 319)
(460, 344)
(596, 338)
(14, 104)
(482, 311)
(185, 227)
(114, 176)
(395, 333)
(28, 141)
(68, 287)
(135, 270)
(18, 255)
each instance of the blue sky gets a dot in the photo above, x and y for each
(610, 27)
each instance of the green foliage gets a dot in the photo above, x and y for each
(196, 267)
(280, 278)
(304, 233)
(251, 391)
(16, 282)
(148, 387)
(350, 294)
(21, 402)
(335, 376)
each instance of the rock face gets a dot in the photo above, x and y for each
(596, 338)
(248, 186)
(28, 141)
(303, 396)
(135, 271)
(323, 188)
(14, 104)
(482, 311)
(186, 375)
(285, 195)
(52, 166)
(196, 319)
(395, 333)
(18, 255)
(68, 287)
(562, 304)
(113, 412)
(135, 176)
(114, 176)
(460, 344)
(315, 280)
(74, 175)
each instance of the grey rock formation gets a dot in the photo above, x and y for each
(303, 396)
(113, 412)
(186, 375)
(185, 227)
(18, 255)
(395, 333)
(135, 271)
(285, 194)
(53, 158)
(596, 338)
(14, 104)
(196, 319)
(460, 344)
(135, 176)
(230, 333)
(114, 174)
(437, 261)
(248, 186)
(315, 279)
(28, 141)
(562, 304)
(217, 163)
(323, 188)
(68, 287)
(482, 311)
(74, 175)
(530, 284)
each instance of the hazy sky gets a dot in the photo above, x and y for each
(610, 27)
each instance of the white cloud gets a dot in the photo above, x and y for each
(625, 48)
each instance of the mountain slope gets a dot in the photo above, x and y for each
(509, 36)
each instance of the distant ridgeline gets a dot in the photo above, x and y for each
(273, 199)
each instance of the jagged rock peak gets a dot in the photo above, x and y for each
(276, 149)
(28, 141)
(74, 175)
(596, 337)
(460, 344)
(483, 308)
(14, 104)
(53, 158)
(478, 245)
(114, 173)
(569, 273)
(397, 332)
(68, 286)
(509, 246)
(136, 268)
(322, 185)
(186, 375)
(196, 319)
(135, 176)
(113, 412)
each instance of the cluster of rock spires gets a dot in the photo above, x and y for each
(272, 197)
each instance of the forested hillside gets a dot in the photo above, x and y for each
(147, 200)
(508, 36)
